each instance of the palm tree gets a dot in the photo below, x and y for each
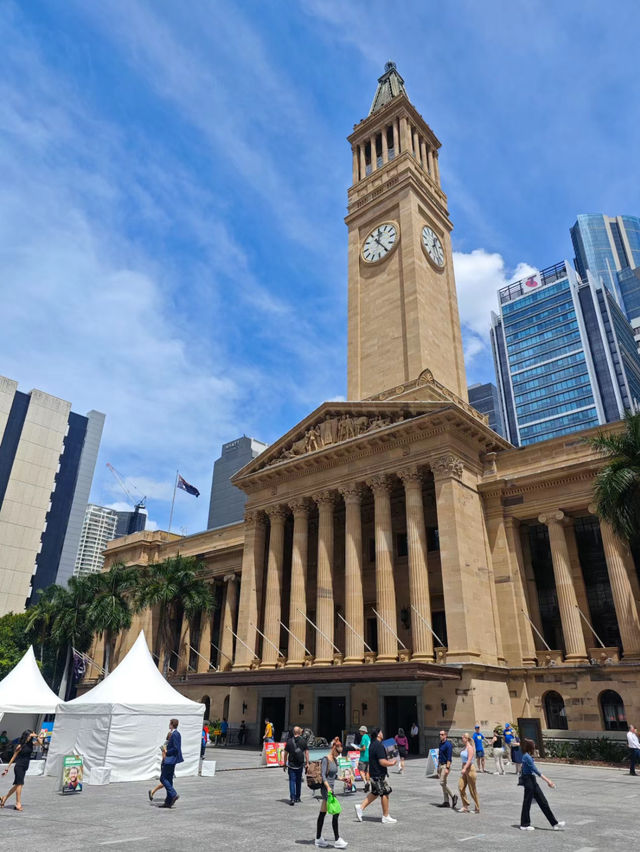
(41, 617)
(617, 486)
(174, 588)
(111, 608)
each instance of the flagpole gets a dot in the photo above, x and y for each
(175, 485)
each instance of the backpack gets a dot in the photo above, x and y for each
(314, 775)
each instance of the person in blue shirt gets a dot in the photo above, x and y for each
(478, 741)
(532, 791)
(172, 756)
(445, 756)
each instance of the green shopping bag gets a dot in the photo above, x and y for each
(333, 805)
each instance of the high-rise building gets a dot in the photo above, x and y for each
(130, 522)
(98, 528)
(609, 248)
(227, 502)
(485, 398)
(565, 355)
(47, 459)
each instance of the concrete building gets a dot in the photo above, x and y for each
(485, 399)
(98, 529)
(227, 502)
(400, 512)
(47, 458)
(609, 248)
(564, 354)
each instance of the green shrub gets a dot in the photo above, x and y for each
(600, 748)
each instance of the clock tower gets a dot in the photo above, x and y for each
(403, 309)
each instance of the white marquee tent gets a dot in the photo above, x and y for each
(25, 695)
(122, 722)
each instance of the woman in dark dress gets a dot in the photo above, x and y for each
(20, 759)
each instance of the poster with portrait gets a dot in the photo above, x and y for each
(72, 773)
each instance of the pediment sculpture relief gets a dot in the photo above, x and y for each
(335, 430)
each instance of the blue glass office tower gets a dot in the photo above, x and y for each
(564, 354)
(609, 248)
(485, 398)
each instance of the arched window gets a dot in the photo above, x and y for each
(613, 715)
(554, 711)
(225, 708)
(207, 706)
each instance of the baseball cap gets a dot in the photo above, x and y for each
(477, 726)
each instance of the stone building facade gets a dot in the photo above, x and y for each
(399, 561)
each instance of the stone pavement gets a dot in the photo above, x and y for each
(245, 808)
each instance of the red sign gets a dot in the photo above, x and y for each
(274, 754)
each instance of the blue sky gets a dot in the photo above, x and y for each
(174, 177)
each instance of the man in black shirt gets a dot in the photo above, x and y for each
(378, 763)
(296, 758)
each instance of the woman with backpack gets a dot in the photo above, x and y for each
(329, 776)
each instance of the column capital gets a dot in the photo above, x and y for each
(254, 517)
(277, 514)
(230, 578)
(380, 484)
(410, 475)
(325, 498)
(592, 509)
(301, 507)
(352, 493)
(447, 465)
(555, 516)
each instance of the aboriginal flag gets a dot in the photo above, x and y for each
(190, 489)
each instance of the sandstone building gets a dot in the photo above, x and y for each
(399, 561)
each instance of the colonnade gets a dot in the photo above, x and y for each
(405, 137)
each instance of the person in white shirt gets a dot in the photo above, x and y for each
(634, 748)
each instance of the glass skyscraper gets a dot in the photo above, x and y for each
(485, 398)
(609, 248)
(564, 354)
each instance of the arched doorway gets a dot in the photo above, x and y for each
(225, 708)
(207, 706)
(554, 711)
(612, 708)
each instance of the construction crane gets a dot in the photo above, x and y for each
(141, 504)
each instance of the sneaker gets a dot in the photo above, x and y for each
(358, 811)
(389, 820)
(291, 802)
(527, 828)
(454, 801)
(340, 843)
(320, 841)
(559, 825)
(444, 805)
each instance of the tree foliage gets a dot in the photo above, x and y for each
(14, 640)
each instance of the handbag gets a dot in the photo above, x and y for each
(333, 805)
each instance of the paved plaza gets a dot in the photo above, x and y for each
(245, 807)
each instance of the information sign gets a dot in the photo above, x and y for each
(72, 773)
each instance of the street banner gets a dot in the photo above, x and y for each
(72, 773)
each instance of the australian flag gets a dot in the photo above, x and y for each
(190, 489)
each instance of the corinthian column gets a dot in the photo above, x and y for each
(273, 600)
(619, 564)
(204, 650)
(228, 620)
(298, 603)
(250, 587)
(324, 595)
(575, 647)
(385, 586)
(353, 596)
(421, 636)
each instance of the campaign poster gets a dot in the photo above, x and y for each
(274, 754)
(391, 747)
(354, 757)
(72, 773)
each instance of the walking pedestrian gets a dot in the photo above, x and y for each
(363, 763)
(296, 758)
(403, 748)
(163, 750)
(329, 767)
(515, 751)
(532, 791)
(498, 750)
(378, 765)
(224, 731)
(634, 748)
(20, 759)
(468, 776)
(172, 757)
(445, 756)
(478, 742)
(203, 743)
(268, 732)
(242, 733)
(509, 737)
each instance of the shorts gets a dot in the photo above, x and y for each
(363, 767)
(19, 771)
(380, 787)
(479, 752)
(402, 751)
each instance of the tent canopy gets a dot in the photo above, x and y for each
(24, 690)
(122, 722)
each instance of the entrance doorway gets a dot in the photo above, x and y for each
(401, 711)
(273, 709)
(332, 718)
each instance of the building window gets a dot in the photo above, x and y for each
(207, 706)
(402, 549)
(554, 711)
(613, 715)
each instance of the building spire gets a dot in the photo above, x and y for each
(390, 85)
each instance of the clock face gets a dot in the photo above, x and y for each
(379, 242)
(433, 246)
